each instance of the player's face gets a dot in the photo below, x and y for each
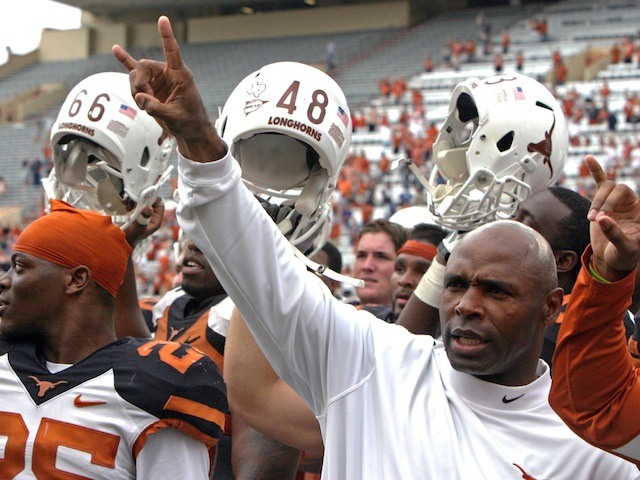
(408, 271)
(542, 211)
(31, 292)
(491, 311)
(374, 263)
(198, 279)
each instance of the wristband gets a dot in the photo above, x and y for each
(595, 274)
(431, 285)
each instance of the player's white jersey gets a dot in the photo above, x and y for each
(92, 419)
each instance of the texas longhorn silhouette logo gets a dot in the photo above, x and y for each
(544, 147)
(45, 385)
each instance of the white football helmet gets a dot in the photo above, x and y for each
(409, 217)
(505, 137)
(108, 155)
(289, 127)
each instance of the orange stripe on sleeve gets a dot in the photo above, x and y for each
(181, 425)
(195, 409)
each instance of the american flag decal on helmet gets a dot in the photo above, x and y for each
(342, 115)
(128, 111)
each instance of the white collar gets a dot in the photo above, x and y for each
(492, 395)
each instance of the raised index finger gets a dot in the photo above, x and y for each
(169, 43)
(124, 58)
(604, 187)
(596, 170)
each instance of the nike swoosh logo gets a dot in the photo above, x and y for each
(509, 400)
(78, 402)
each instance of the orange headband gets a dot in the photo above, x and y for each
(70, 237)
(420, 249)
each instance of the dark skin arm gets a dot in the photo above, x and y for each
(128, 316)
(261, 398)
(420, 318)
(257, 457)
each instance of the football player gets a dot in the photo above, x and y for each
(77, 402)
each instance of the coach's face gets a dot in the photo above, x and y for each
(495, 305)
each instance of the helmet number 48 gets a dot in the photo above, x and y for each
(317, 108)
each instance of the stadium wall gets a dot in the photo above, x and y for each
(97, 35)
(299, 22)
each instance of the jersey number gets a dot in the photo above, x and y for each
(52, 434)
(166, 354)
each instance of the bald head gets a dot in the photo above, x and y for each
(515, 239)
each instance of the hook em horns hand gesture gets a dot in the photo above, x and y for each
(615, 225)
(167, 91)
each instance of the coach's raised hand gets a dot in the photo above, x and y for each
(167, 91)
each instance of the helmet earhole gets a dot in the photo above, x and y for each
(506, 141)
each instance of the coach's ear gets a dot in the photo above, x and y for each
(566, 260)
(553, 305)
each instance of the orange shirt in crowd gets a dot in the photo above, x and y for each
(615, 53)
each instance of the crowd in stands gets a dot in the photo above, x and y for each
(367, 186)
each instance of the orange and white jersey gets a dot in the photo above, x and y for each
(94, 418)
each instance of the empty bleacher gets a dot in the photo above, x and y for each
(363, 59)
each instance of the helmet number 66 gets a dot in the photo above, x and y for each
(97, 109)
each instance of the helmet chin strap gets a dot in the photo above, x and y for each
(416, 171)
(326, 271)
(147, 197)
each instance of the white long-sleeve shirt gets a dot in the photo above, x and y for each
(389, 404)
